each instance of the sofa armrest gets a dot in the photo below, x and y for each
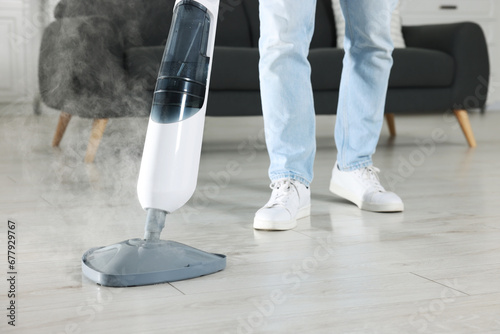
(81, 66)
(466, 43)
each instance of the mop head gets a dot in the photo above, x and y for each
(137, 262)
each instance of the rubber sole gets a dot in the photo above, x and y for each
(271, 225)
(348, 195)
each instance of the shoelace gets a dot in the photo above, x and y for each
(284, 188)
(370, 176)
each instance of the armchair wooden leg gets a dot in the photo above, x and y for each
(390, 123)
(463, 119)
(98, 128)
(64, 119)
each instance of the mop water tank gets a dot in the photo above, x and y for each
(171, 158)
(182, 80)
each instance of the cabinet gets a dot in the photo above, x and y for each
(484, 12)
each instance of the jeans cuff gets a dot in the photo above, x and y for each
(357, 165)
(289, 175)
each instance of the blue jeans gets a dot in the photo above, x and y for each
(285, 80)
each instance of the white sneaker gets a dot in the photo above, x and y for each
(290, 200)
(363, 188)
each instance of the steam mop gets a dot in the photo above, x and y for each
(170, 162)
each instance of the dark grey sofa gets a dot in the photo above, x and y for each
(99, 59)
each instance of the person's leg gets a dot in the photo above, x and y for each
(367, 64)
(365, 75)
(286, 28)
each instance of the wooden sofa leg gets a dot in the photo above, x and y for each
(98, 128)
(64, 119)
(463, 119)
(390, 123)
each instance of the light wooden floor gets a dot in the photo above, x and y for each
(433, 269)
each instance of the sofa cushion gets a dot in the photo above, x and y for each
(233, 68)
(237, 68)
(324, 26)
(233, 28)
(413, 67)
